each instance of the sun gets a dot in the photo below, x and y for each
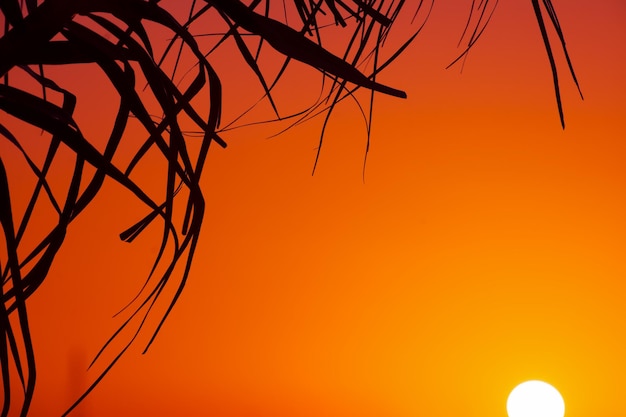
(535, 399)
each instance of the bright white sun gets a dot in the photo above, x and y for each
(535, 399)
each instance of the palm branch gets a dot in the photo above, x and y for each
(114, 36)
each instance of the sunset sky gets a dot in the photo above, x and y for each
(482, 246)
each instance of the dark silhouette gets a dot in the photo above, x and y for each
(112, 35)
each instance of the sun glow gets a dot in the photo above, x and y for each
(535, 399)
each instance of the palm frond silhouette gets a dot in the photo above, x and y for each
(114, 36)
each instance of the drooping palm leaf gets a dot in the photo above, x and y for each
(112, 35)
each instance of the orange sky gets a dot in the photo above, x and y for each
(484, 248)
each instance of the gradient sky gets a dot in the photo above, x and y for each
(484, 248)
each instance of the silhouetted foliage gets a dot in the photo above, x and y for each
(113, 35)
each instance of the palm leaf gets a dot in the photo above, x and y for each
(112, 35)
